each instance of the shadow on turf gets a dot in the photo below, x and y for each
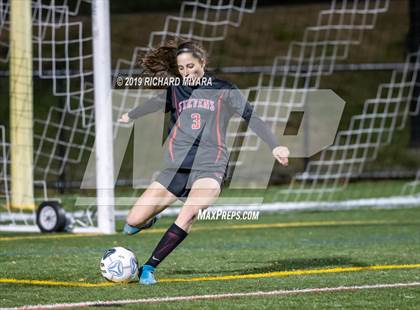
(280, 265)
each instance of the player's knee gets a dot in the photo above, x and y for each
(134, 220)
(130, 220)
(208, 193)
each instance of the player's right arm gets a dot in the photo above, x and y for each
(150, 106)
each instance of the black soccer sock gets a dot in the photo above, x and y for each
(170, 240)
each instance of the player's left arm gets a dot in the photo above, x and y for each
(245, 109)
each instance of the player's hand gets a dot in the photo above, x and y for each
(124, 118)
(281, 153)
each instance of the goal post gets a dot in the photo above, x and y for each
(21, 110)
(103, 116)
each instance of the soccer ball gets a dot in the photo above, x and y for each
(119, 265)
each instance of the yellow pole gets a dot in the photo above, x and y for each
(21, 114)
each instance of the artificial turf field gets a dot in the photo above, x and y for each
(280, 251)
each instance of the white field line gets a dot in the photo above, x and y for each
(217, 296)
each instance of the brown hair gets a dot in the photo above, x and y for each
(161, 61)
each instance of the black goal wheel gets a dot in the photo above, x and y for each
(50, 217)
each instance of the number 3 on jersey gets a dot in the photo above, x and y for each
(196, 118)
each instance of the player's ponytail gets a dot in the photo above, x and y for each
(161, 61)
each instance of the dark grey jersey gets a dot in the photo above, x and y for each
(200, 116)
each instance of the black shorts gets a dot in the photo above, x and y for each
(180, 181)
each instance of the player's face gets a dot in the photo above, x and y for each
(189, 66)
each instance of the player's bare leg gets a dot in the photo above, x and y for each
(203, 193)
(154, 200)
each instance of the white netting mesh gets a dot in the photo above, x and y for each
(360, 143)
(63, 53)
(337, 28)
(203, 21)
(12, 216)
(4, 30)
(4, 166)
(413, 187)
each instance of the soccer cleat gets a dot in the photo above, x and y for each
(132, 230)
(147, 276)
(151, 222)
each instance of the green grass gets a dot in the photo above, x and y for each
(216, 249)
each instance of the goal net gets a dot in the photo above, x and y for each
(278, 54)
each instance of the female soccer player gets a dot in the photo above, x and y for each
(196, 157)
